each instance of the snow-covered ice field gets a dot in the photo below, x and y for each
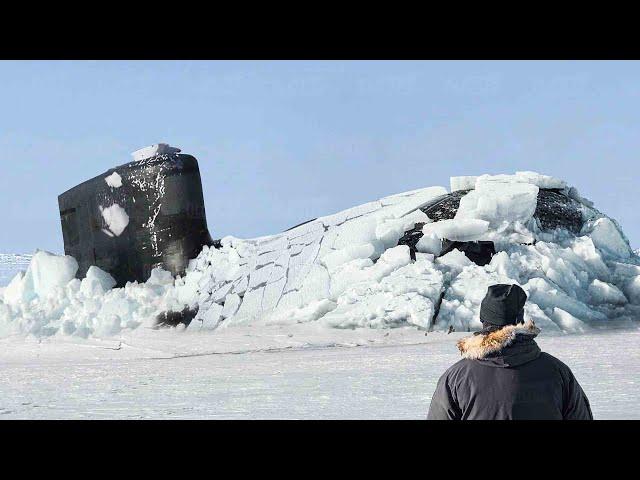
(352, 374)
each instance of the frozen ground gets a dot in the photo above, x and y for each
(351, 374)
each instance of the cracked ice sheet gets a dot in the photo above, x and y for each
(299, 254)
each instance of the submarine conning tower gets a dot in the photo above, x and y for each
(144, 214)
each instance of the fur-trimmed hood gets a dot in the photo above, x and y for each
(478, 347)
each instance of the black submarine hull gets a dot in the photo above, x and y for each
(160, 202)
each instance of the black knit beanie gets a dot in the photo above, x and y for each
(503, 305)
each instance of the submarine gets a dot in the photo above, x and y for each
(150, 213)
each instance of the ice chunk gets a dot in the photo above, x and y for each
(532, 178)
(548, 296)
(160, 277)
(463, 183)
(114, 180)
(429, 243)
(541, 181)
(536, 314)
(417, 200)
(457, 229)
(157, 149)
(568, 322)
(607, 237)
(631, 288)
(211, 317)
(309, 313)
(96, 282)
(394, 258)
(340, 257)
(116, 219)
(104, 278)
(364, 270)
(231, 304)
(187, 293)
(390, 231)
(455, 259)
(382, 310)
(20, 289)
(584, 248)
(603, 292)
(499, 201)
(575, 194)
(48, 271)
(356, 232)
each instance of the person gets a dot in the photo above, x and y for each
(503, 374)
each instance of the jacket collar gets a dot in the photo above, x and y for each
(479, 346)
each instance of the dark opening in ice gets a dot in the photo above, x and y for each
(173, 319)
(479, 252)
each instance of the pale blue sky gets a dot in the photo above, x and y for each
(281, 142)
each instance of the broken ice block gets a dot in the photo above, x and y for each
(157, 149)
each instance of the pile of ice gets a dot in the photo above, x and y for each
(47, 299)
(347, 270)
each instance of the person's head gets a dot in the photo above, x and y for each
(502, 305)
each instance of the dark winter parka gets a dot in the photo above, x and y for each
(505, 376)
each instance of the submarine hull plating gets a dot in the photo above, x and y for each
(135, 217)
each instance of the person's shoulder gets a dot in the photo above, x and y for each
(461, 365)
(554, 362)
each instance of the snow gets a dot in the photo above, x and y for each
(280, 372)
(114, 180)
(116, 219)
